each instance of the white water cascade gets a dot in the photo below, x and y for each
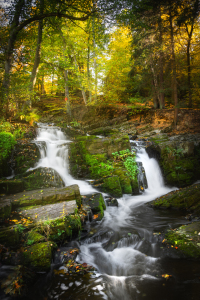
(123, 248)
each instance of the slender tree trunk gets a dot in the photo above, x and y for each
(88, 71)
(42, 86)
(68, 108)
(79, 79)
(94, 53)
(189, 64)
(161, 62)
(155, 86)
(155, 97)
(174, 88)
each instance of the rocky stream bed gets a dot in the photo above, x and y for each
(94, 187)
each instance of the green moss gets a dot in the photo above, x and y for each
(185, 199)
(187, 247)
(33, 237)
(96, 203)
(9, 237)
(11, 186)
(124, 179)
(112, 186)
(39, 256)
(178, 169)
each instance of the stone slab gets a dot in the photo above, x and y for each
(50, 212)
(44, 197)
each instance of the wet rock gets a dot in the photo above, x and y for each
(179, 157)
(50, 212)
(11, 186)
(187, 199)
(96, 203)
(5, 208)
(112, 186)
(9, 236)
(185, 239)
(42, 178)
(44, 197)
(25, 156)
(112, 202)
(33, 237)
(39, 256)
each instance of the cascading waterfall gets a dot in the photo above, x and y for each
(123, 248)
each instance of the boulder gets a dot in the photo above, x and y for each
(25, 156)
(112, 202)
(179, 157)
(187, 199)
(5, 208)
(42, 178)
(186, 239)
(96, 203)
(39, 256)
(11, 186)
(9, 236)
(112, 186)
(33, 237)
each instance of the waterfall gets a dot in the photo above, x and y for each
(123, 246)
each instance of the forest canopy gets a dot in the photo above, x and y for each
(137, 52)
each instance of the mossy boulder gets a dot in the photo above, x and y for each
(61, 229)
(9, 236)
(11, 186)
(39, 256)
(25, 156)
(105, 131)
(179, 158)
(187, 199)
(96, 203)
(7, 142)
(186, 239)
(112, 186)
(42, 178)
(5, 208)
(125, 180)
(33, 237)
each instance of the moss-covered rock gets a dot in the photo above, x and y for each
(33, 237)
(106, 131)
(112, 186)
(5, 208)
(39, 256)
(187, 199)
(125, 180)
(25, 156)
(46, 196)
(179, 157)
(96, 203)
(9, 236)
(42, 178)
(186, 239)
(61, 228)
(11, 186)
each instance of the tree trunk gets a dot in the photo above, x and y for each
(67, 99)
(155, 87)
(155, 98)
(88, 71)
(189, 64)
(161, 91)
(174, 88)
(94, 53)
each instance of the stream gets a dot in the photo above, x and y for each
(126, 246)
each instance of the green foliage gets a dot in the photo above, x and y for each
(30, 242)
(7, 142)
(128, 158)
(20, 228)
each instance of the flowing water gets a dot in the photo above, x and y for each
(125, 247)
